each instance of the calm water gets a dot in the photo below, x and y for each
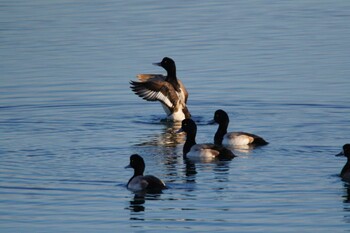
(69, 121)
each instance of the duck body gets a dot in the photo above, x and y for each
(205, 152)
(148, 182)
(345, 172)
(139, 182)
(232, 139)
(168, 90)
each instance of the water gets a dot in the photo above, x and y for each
(69, 121)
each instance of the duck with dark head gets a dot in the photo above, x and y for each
(139, 182)
(233, 139)
(168, 90)
(205, 152)
(345, 172)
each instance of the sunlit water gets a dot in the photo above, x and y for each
(69, 121)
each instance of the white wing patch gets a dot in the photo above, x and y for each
(137, 184)
(154, 96)
(202, 152)
(236, 139)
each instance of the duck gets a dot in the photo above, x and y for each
(139, 182)
(345, 172)
(168, 90)
(233, 139)
(205, 152)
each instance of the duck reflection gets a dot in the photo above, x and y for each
(190, 171)
(346, 201)
(219, 167)
(167, 138)
(346, 195)
(137, 203)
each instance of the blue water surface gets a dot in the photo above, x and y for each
(69, 121)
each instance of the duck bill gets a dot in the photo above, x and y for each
(212, 122)
(157, 64)
(127, 166)
(340, 154)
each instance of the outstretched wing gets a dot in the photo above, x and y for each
(156, 90)
(160, 77)
(150, 77)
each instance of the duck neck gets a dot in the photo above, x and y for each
(190, 141)
(139, 172)
(346, 168)
(219, 135)
(172, 79)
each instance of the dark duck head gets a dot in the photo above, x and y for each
(169, 65)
